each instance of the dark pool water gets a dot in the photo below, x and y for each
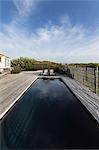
(49, 116)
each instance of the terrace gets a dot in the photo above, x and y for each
(15, 88)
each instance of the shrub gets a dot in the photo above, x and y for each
(16, 69)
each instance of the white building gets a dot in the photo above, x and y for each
(4, 63)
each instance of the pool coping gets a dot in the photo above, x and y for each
(49, 77)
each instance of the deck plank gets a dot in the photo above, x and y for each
(89, 99)
(12, 86)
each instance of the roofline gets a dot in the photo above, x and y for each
(4, 55)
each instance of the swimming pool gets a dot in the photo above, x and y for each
(48, 115)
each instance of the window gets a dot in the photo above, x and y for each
(6, 62)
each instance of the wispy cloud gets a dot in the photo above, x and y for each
(24, 6)
(64, 42)
(54, 42)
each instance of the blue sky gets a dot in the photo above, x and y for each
(57, 30)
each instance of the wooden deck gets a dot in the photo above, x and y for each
(89, 99)
(12, 86)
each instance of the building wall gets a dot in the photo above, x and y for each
(4, 63)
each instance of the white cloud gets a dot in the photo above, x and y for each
(65, 20)
(64, 42)
(24, 6)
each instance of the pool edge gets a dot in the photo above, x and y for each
(16, 100)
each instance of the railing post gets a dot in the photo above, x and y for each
(86, 84)
(97, 80)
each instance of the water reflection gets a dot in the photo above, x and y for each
(49, 116)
